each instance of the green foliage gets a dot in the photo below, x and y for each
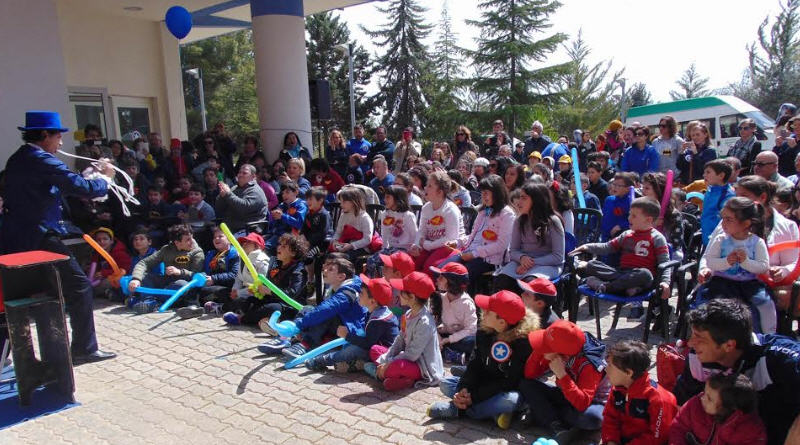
(691, 84)
(402, 67)
(639, 95)
(508, 47)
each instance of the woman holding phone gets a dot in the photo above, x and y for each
(405, 148)
(786, 146)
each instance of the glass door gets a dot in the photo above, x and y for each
(134, 116)
(89, 108)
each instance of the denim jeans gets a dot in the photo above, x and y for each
(349, 353)
(548, 404)
(504, 402)
(465, 345)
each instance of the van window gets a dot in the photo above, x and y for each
(712, 129)
(729, 125)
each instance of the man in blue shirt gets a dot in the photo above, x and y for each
(641, 157)
(382, 146)
(360, 146)
(34, 184)
(383, 179)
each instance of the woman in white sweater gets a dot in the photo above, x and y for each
(486, 247)
(441, 228)
(354, 229)
(399, 224)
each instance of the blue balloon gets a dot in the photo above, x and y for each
(315, 352)
(179, 21)
(286, 328)
(577, 174)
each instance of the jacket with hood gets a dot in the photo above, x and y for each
(342, 303)
(292, 278)
(222, 267)
(243, 279)
(639, 415)
(418, 342)
(585, 383)
(485, 376)
(382, 328)
(738, 429)
(714, 200)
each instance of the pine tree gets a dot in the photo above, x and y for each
(325, 32)
(508, 48)
(691, 85)
(401, 95)
(639, 95)
(774, 72)
(587, 100)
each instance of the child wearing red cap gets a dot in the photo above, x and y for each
(539, 295)
(638, 410)
(488, 388)
(414, 356)
(458, 319)
(575, 403)
(396, 266)
(381, 329)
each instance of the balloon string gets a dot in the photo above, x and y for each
(122, 193)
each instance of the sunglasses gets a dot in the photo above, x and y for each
(744, 128)
(641, 134)
(761, 164)
(662, 125)
(461, 134)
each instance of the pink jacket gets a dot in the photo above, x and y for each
(738, 429)
(491, 236)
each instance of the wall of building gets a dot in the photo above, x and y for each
(32, 74)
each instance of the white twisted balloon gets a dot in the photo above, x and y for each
(95, 172)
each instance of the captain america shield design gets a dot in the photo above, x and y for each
(501, 352)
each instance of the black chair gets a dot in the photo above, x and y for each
(335, 209)
(417, 211)
(691, 264)
(374, 211)
(468, 215)
(587, 225)
(565, 283)
(787, 317)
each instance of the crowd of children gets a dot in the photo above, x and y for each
(432, 279)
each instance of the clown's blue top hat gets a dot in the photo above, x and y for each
(43, 120)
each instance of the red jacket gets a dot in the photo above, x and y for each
(639, 415)
(120, 255)
(738, 429)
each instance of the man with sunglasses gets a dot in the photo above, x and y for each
(766, 166)
(746, 147)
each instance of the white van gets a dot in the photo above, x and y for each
(721, 114)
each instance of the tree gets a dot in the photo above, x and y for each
(587, 100)
(401, 95)
(228, 70)
(691, 84)
(507, 46)
(774, 72)
(639, 95)
(442, 82)
(325, 31)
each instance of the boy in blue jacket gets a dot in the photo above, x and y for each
(341, 307)
(288, 216)
(617, 206)
(220, 268)
(381, 329)
(716, 174)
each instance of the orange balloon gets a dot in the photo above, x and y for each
(105, 255)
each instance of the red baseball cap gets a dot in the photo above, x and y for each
(379, 288)
(561, 337)
(175, 143)
(417, 283)
(506, 304)
(539, 286)
(451, 268)
(400, 261)
(253, 238)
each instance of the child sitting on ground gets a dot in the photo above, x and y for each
(459, 319)
(734, 259)
(221, 268)
(638, 410)
(241, 298)
(319, 324)
(182, 258)
(142, 247)
(715, 174)
(381, 329)
(488, 388)
(288, 217)
(575, 403)
(642, 249)
(101, 283)
(725, 413)
(414, 356)
(396, 266)
(539, 294)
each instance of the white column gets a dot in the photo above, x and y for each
(281, 73)
(173, 82)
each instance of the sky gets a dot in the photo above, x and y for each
(655, 41)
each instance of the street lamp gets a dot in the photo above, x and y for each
(348, 50)
(195, 72)
(622, 100)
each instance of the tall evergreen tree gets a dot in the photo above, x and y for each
(639, 95)
(587, 100)
(508, 47)
(691, 84)
(401, 95)
(325, 32)
(442, 81)
(774, 72)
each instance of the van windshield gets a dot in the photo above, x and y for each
(762, 120)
